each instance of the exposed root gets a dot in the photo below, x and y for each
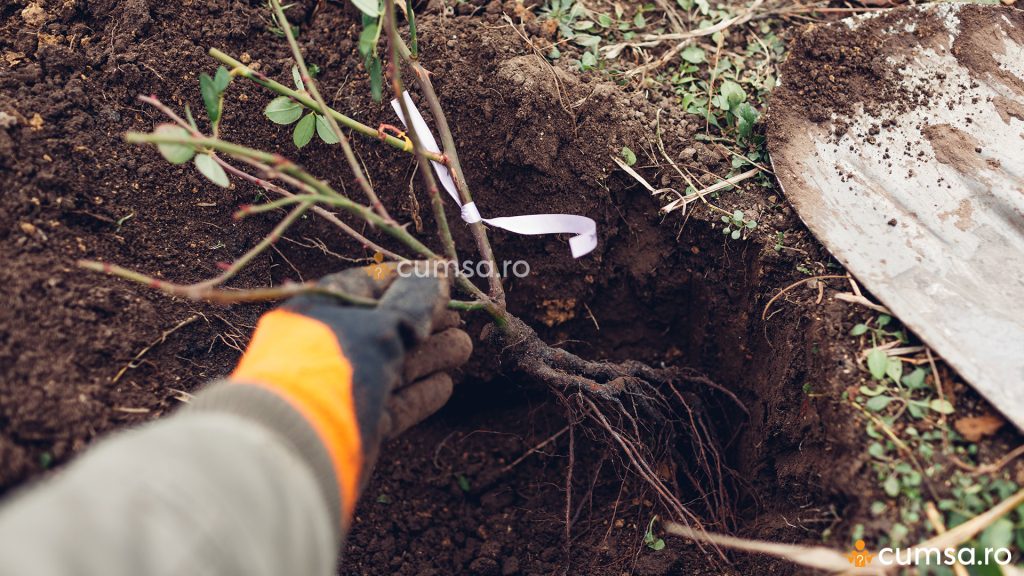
(651, 416)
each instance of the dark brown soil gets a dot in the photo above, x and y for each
(659, 289)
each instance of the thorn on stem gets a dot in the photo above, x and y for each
(223, 266)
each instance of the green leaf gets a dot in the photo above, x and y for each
(894, 369)
(735, 234)
(878, 403)
(897, 533)
(604, 20)
(211, 98)
(369, 7)
(878, 361)
(915, 379)
(376, 78)
(732, 93)
(368, 39)
(588, 60)
(283, 110)
(304, 130)
(583, 25)
(191, 120)
(221, 80)
(628, 155)
(463, 482)
(658, 544)
(639, 21)
(323, 130)
(859, 329)
(208, 167)
(746, 117)
(892, 486)
(998, 535)
(876, 450)
(872, 392)
(941, 405)
(693, 54)
(586, 40)
(174, 153)
(297, 78)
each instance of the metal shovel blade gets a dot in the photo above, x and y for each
(898, 136)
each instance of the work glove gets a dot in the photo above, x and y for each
(357, 374)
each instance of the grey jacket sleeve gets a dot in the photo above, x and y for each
(236, 484)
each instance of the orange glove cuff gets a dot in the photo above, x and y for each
(299, 358)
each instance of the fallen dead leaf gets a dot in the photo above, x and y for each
(13, 58)
(34, 15)
(974, 428)
(49, 39)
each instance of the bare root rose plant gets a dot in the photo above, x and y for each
(649, 416)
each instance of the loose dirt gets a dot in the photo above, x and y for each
(481, 487)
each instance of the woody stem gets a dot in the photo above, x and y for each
(311, 86)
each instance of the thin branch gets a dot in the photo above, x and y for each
(318, 210)
(311, 86)
(425, 170)
(270, 186)
(208, 293)
(764, 313)
(255, 251)
(280, 164)
(239, 69)
(452, 160)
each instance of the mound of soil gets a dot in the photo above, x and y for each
(481, 488)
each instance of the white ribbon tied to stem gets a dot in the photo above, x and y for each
(585, 229)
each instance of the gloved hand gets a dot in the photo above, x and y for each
(357, 374)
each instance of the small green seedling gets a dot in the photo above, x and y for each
(283, 110)
(732, 99)
(212, 90)
(652, 541)
(120, 221)
(736, 225)
(628, 156)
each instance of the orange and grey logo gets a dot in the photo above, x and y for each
(860, 557)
